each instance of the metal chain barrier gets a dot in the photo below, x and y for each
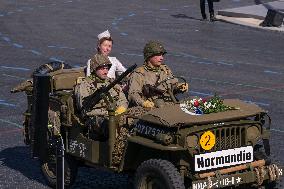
(259, 175)
(271, 172)
(274, 172)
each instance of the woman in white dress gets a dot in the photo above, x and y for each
(105, 43)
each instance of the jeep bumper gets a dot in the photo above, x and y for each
(256, 175)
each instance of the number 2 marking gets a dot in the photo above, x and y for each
(207, 143)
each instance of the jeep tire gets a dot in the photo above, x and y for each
(48, 167)
(70, 171)
(158, 174)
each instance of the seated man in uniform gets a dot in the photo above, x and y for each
(151, 84)
(96, 117)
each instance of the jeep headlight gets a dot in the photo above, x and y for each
(192, 141)
(165, 139)
(253, 133)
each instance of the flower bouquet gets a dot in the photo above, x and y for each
(207, 106)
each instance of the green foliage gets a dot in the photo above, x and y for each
(212, 105)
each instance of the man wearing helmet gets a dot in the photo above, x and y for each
(146, 86)
(99, 68)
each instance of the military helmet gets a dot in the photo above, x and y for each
(99, 60)
(153, 48)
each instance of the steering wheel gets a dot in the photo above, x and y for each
(170, 90)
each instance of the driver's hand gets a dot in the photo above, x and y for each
(183, 87)
(148, 104)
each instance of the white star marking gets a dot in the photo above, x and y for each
(239, 179)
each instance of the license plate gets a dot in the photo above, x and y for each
(223, 158)
(217, 183)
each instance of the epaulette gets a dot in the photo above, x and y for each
(141, 70)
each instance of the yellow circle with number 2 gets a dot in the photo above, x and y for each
(207, 140)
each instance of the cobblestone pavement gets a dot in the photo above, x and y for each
(231, 60)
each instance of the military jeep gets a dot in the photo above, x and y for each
(166, 147)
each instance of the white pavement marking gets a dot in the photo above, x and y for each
(18, 45)
(13, 76)
(60, 47)
(11, 123)
(236, 84)
(15, 68)
(35, 52)
(200, 93)
(7, 104)
(248, 101)
(55, 59)
(258, 103)
(277, 130)
(131, 54)
(272, 72)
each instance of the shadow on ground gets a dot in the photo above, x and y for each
(88, 178)
(19, 159)
(184, 16)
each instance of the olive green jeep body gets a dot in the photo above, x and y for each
(163, 146)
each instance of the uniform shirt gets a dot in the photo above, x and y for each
(88, 86)
(116, 66)
(148, 74)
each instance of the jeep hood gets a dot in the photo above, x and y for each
(173, 115)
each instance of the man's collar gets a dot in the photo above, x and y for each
(149, 67)
(94, 77)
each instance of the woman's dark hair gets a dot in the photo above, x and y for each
(102, 40)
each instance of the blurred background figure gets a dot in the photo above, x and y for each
(211, 10)
(104, 47)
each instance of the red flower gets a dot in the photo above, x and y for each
(196, 103)
(204, 100)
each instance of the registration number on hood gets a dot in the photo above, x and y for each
(151, 131)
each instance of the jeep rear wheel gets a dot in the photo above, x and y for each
(48, 167)
(158, 174)
(49, 171)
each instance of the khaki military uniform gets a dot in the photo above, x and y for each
(148, 74)
(87, 86)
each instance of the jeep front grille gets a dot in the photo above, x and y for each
(228, 137)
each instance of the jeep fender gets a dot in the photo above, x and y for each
(140, 149)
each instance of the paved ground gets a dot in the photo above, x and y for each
(252, 15)
(231, 60)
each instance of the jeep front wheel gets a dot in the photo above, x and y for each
(158, 174)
